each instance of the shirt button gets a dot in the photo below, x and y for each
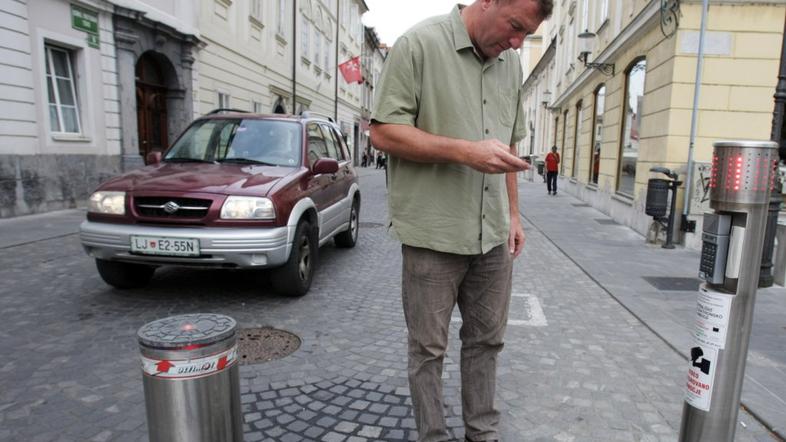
(486, 189)
(484, 216)
(487, 131)
(484, 101)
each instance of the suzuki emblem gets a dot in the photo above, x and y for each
(171, 207)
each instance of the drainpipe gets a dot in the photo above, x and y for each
(335, 73)
(695, 115)
(294, 56)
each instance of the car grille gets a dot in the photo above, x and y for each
(167, 207)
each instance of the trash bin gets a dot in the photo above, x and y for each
(191, 379)
(657, 197)
(541, 166)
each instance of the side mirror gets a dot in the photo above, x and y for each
(153, 157)
(325, 165)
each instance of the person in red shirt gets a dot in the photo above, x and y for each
(552, 162)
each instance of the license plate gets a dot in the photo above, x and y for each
(158, 245)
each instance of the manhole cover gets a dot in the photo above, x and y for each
(371, 225)
(667, 283)
(265, 344)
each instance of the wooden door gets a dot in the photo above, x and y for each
(151, 107)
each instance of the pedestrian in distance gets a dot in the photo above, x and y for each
(453, 194)
(552, 169)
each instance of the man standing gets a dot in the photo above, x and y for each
(552, 169)
(449, 114)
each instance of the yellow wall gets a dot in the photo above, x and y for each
(736, 95)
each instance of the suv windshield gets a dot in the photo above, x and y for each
(275, 143)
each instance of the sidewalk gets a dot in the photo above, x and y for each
(30, 228)
(659, 287)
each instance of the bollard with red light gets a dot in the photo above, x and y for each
(191, 379)
(742, 178)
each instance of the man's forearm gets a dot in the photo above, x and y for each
(511, 183)
(413, 144)
(417, 145)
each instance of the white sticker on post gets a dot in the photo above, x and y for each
(701, 377)
(189, 368)
(712, 318)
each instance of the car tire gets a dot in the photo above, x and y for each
(348, 238)
(123, 275)
(294, 277)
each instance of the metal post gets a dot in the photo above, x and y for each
(673, 185)
(695, 113)
(740, 185)
(191, 379)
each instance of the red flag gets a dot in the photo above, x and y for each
(350, 69)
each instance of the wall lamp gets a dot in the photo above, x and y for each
(586, 39)
(546, 98)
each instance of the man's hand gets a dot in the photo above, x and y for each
(493, 156)
(516, 237)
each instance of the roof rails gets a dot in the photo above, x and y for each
(222, 109)
(312, 114)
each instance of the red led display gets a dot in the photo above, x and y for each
(757, 175)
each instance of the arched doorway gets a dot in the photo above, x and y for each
(151, 106)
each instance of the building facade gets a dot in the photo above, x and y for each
(91, 87)
(281, 57)
(623, 103)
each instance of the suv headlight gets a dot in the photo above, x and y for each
(247, 207)
(109, 203)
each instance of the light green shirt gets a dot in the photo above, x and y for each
(433, 80)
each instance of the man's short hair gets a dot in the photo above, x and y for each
(545, 6)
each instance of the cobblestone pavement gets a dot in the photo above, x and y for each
(576, 366)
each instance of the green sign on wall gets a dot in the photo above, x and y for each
(85, 20)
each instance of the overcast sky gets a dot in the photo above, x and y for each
(391, 18)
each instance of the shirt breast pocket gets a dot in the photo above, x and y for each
(508, 98)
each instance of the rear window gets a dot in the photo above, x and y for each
(268, 142)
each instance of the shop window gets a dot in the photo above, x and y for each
(631, 124)
(597, 133)
(576, 133)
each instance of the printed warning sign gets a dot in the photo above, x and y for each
(712, 318)
(189, 368)
(701, 377)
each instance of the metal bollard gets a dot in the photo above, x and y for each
(191, 379)
(741, 181)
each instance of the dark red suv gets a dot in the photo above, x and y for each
(236, 190)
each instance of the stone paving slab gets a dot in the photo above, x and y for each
(577, 366)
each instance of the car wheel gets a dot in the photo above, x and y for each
(123, 275)
(294, 278)
(348, 238)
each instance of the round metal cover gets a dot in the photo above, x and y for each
(264, 344)
(182, 330)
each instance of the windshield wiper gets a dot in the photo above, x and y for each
(186, 160)
(246, 161)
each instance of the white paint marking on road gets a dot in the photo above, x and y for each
(534, 312)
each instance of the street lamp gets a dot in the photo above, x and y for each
(586, 39)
